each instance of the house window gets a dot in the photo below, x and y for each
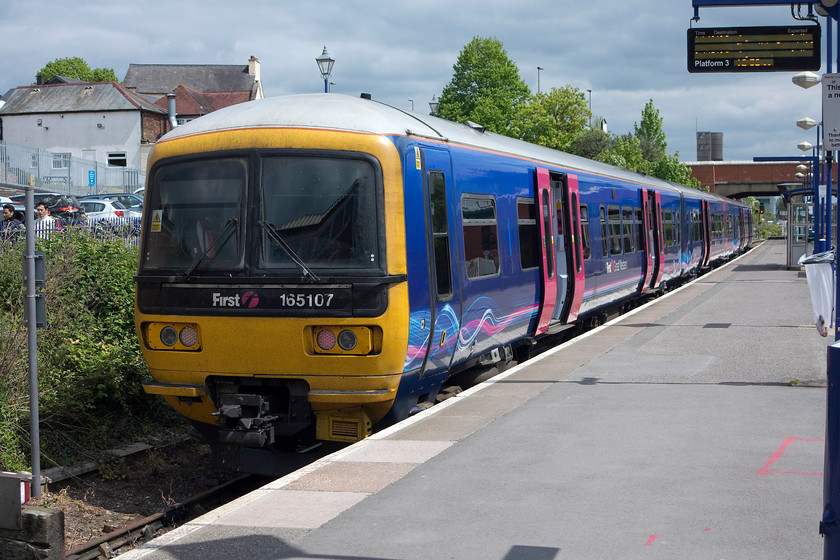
(481, 245)
(61, 161)
(117, 159)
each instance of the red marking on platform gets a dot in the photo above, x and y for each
(707, 529)
(650, 540)
(778, 454)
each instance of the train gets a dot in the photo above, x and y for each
(313, 267)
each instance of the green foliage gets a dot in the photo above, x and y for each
(626, 152)
(650, 134)
(89, 363)
(591, 143)
(554, 119)
(77, 69)
(485, 88)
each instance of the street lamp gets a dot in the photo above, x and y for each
(325, 64)
(590, 109)
(434, 105)
(539, 69)
(412, 104)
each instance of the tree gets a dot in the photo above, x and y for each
(591, 143)
(554, 119)
(77, 69)
(650, 134)
(485, 87)
(626, 152)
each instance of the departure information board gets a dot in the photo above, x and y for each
(754, 49)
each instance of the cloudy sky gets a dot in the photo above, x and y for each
(625, 52)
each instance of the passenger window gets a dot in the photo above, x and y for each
(440, 234)
(604, 237)
(640, 229)
(669, 228)
(481, 245)
(529, 239)
(584, 231)
(627, 228)
(614, 219)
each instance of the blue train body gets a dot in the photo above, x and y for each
(365, 254)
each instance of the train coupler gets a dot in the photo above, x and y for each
(245, 420)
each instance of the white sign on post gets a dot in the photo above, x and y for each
(831, 111)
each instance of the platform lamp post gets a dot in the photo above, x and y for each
(824, 231)
(434, 106)
(325, 64)
(808, 147)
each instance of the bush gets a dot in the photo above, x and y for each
(90, 367)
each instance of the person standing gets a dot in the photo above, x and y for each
(10, 225)
(45, 222)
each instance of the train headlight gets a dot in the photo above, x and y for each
(350, 340)
(188, 336)
(172, 336)
(347, 340)
(168, 336)
(325, 340)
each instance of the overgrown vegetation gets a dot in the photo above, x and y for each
(89, 363)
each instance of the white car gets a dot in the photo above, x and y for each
(108, 210)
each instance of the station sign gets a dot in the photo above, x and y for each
(831, 111)
(754, 49)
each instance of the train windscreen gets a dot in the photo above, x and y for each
(318, 212)
(305, 213)
(196, 216)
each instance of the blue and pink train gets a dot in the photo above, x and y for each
(312, 265)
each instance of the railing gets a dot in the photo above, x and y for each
(125, 229)
(22, 166)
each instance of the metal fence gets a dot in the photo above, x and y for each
(22, 166)
(126, 230)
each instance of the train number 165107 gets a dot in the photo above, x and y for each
(306, 300)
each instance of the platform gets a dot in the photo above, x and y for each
(691, 428)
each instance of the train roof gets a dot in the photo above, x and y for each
(354, 114)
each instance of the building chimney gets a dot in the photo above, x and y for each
(170, 105)
(254, 68)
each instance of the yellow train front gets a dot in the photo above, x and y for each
(271, 292)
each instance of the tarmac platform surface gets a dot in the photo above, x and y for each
(691, 428)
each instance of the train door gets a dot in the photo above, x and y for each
(656, 239)
(444, 302)
(706, 220)
(568, 247)
(545, 221)
(649, 257)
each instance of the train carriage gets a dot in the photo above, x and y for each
(312, 265)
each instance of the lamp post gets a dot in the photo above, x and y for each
(539, 69)
(325, 64)
(590, 108)
(434, 106)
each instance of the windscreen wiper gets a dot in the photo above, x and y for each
(271, 229)
(218, 243)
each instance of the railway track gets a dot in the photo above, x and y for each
(145, 529)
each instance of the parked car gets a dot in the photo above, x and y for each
(128, 200)
(63, 207)
(108, 210)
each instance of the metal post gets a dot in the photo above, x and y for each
(831, 478)
(34, 421)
